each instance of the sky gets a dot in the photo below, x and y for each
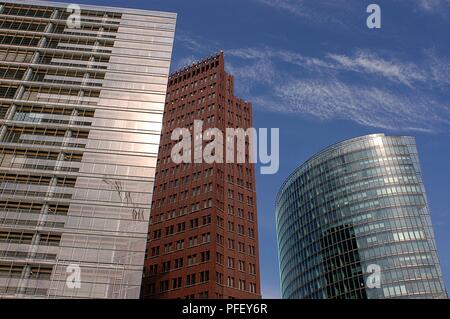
(313, 69)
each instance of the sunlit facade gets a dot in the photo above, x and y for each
(353, 223)
(81, 114)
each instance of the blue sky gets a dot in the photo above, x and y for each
(313, 69)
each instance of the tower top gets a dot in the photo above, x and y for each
(196, 64)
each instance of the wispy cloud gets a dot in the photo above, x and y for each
(376, 89)
(195, 43)
(196, 47)
(294, 7)
(183, 62)
(366, 62)
(361, 61)
(326, 13)
(261, 71)
(432, 5)
(332, 12)
(439, 69)
(388, 93)
(370, 106)
(267, 53)
(190, 42)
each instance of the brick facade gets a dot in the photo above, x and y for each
(203, 234)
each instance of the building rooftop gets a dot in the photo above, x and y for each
(93, 7)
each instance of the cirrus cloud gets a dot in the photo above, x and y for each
(377, 90)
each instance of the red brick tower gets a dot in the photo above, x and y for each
(203, 233)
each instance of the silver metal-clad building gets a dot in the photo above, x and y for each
(81, 101)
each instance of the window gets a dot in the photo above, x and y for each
(206, 238)
(220, 239)
(192, 259)
(241, 284)
(153, 269)
(207, 220)
(178, 263)
(151, 288)
(164, 286)
(193, 241)
(230, 281)
(219, 258)
(190, 280)
(194, 223)
(169, 230)
(155, 251)
(181, 227)
(166, 266)
(204, 276)
(252, 268)
(205, 256)
(168, 248)
(157, 234)
(219, 278)
(176, 283)
(180, 244)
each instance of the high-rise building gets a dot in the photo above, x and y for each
(81, 105)
(353, 222)
(203, 238)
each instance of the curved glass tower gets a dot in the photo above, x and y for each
(353, 222)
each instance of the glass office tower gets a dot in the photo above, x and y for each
(81, 109)
(353, 222)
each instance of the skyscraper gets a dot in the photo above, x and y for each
(353, 222)
(81, 104)
(203, 240)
